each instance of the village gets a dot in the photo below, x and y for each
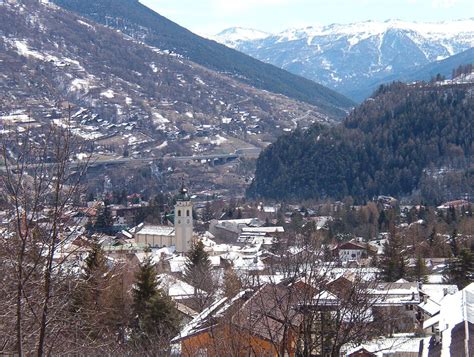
(285, 280)
(213, 179)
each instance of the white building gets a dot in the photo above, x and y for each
(351, 251)
(179, 236)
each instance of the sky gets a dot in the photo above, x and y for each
(209, 17)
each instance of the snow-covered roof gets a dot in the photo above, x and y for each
(437, 292)
(269, 209)
(396, 293)
(215, 260)
(273, 229)
(455, 309)
(177, 289)
(236, 221)
(157, 230)
(177, 263)
(431, 307)
(199, 324)
(384, 346)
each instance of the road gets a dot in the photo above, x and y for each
(127, 160)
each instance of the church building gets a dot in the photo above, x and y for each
(180, 236)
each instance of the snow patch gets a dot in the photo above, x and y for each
(218, 140)
(109, 93)
(159, 119)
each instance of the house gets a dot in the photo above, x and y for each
(229, 230)
(453, 327)
(397, 303)
(260, 235)
(253, 322)
(351, 251)
(432, 296)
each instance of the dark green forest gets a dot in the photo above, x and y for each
(140, 22)
(404, 141)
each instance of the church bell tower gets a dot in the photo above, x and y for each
(183, 221)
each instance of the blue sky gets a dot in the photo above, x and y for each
(208, 17)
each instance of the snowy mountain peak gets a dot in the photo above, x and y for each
(235, 35)
(445, 29)
(351, 58)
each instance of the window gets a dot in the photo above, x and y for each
(187, 213)
(179, 213)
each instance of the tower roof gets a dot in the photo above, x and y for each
(183, 194)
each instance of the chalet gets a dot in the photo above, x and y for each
(351, 251)
(398, 300)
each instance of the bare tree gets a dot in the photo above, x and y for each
(39, 185)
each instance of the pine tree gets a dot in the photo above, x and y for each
(198, 273)
(88, 299)
(94, 277)
(95, 263)
(419, 272)
(104, 220)
(207, 214)
(198, 266)
(453, 242)
(156, 318)
(146, 285)
(393, 262)
(460, 269)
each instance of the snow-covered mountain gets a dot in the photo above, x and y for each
(351, 58)
(235, 36)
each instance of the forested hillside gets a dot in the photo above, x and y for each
(407, 140)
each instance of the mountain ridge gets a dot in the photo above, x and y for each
(349, 58)
(142, 23)
(127, 94)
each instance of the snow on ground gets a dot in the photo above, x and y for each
(199, 81)
(189, 115)
(233, 35)
(86, 24)
(15, 118)
(109, 93)
(80, 85)
(23, 49)
(82, 156)
(218, 140)
(162, 145)
(159, 119)
(154, 68)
